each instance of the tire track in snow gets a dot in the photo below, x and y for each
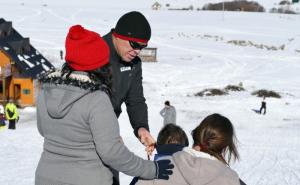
(45, 42)
(232, 70)
(291, 171)
(51, 12)
(256, 165)
(277, 161)
(265, 172)
(36, 14)
(218, 55)
(231, 67)
(259, 158)
(291, 159)
(72, 20)
(74, 15)
(94, 26)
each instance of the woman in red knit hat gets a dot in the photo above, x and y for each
(76, 119)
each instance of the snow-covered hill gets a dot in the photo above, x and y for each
(194, 53)
(198, 4)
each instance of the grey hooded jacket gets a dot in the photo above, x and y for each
(169, 114)
(196, 168)
(81, 137)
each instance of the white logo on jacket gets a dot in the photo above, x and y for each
(122, 69)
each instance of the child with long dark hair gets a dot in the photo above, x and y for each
(207, 162)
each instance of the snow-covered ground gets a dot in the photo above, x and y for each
(193, 54)
(198, 4)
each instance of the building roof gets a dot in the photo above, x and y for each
(27, 59)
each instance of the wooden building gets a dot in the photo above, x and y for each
(148, 54)
(156, 6)
(20, 65)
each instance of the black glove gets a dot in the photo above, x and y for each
(242, 182)
(163, 169)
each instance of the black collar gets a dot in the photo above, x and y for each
(169, 149)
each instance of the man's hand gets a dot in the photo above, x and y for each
(147, 140)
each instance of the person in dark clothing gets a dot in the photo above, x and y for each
(263, 106)
(171, 139)
(130, 35)
(61, 53)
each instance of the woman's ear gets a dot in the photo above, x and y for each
(197, 148)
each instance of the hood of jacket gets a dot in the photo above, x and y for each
(61, 93)
(200, 168)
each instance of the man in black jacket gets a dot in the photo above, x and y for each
(125, 41)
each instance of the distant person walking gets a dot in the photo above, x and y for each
(263, 106)
(61, 53)
(11, 114)
(168, 113)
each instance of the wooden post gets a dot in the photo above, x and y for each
(3, 84)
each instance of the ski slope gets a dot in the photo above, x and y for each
(193, 54)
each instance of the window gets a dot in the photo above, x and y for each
(26, 91)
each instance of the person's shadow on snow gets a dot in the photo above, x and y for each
(256, 111)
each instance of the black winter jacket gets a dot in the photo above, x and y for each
(127, 87)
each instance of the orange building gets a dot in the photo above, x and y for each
(20, 65)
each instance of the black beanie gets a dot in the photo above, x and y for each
(133, 26)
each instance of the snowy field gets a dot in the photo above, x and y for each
(193, 54)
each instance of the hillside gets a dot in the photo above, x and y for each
(196, 50)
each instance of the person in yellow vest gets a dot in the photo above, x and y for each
(11, 114)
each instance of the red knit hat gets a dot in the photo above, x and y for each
(85, 50)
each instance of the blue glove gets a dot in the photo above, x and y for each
(163, 169)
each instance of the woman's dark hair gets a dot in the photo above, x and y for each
(102, 76)
(167, 103)
(215, 136)
(172, 134)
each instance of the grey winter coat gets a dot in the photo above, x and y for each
(81, 137)
(196, 168)
(169, 114)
